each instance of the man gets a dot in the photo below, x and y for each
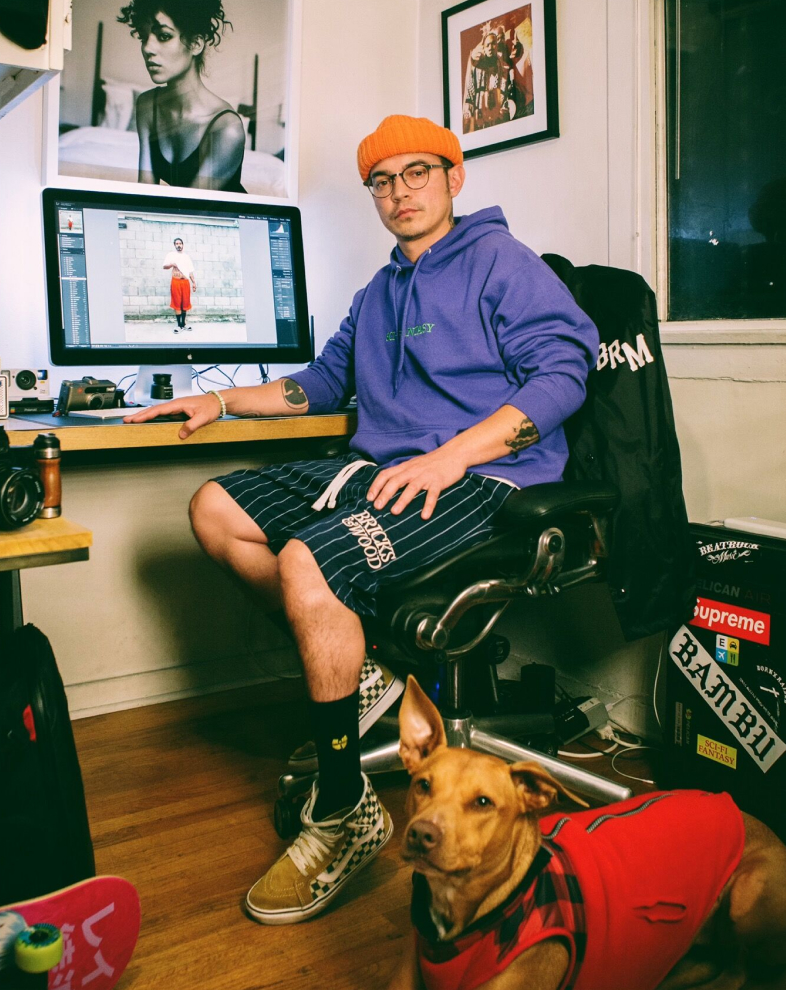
(466, 354)
(182, 282)
(486, 86)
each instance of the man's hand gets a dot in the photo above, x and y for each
(431, 473)
(201, 410)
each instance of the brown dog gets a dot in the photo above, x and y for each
(617, 898)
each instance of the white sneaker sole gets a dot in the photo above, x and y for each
(292, 916)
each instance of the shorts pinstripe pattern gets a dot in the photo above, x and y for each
(361, 549)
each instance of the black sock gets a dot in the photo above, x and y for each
(338, 751)
(182, 319)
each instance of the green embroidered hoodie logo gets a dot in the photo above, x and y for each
(410, 331)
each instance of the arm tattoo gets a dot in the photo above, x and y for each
(525, 435)
(293, 394)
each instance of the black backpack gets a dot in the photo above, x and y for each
(44, 831)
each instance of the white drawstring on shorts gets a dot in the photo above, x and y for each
(328, 496)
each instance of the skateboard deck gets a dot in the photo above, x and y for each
(98, 920)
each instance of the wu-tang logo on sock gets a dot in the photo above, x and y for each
(340, 743)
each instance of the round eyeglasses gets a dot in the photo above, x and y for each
(413, 176)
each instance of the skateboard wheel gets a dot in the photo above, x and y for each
(38, 948)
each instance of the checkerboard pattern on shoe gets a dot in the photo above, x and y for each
(320, 861)
(379, 689)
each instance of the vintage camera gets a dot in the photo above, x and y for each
(86, 393)
(28, 391)
(26, 383)
(29, 480)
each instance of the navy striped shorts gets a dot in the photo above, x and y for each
(358, 548)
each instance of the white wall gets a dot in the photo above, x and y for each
(553, 193)
(148, 618)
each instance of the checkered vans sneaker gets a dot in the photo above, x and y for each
(379, 688)
(320, 861)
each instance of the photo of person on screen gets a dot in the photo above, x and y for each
(188, 136)
(183, 281)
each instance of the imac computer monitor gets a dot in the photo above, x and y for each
(159, 281)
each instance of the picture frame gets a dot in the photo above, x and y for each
(95, 123)
(499, 64)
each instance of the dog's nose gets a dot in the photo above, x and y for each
(423, 835)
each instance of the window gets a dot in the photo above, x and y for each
(726, 159)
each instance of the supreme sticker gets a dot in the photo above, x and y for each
(727, 700)
(732, 620)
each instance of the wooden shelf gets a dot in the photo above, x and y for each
(44, 541)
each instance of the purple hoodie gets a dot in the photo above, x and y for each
(432, 348)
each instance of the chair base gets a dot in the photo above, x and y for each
(482, 734)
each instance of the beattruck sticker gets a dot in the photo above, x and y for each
(732, 620)
(727, 700)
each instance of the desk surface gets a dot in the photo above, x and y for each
(80, 433)
(44, 541)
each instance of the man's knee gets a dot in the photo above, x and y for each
(216, 518)
(295, 560)
(301, 577)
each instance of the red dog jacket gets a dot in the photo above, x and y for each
(626, 887)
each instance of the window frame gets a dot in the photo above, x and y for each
(706, 331)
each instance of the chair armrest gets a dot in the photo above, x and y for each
(543, 503)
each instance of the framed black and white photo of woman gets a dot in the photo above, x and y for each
(185, 94)
(499, 64)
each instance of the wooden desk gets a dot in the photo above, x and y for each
(43, 542)
(83, 433)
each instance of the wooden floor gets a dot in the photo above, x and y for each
(181, 799)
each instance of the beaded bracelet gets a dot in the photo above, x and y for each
(223, 404)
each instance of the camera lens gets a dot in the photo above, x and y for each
(25, 380)
(21, 497)
(161, 387)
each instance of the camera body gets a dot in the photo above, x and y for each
(28, 384)
(29, 480)
(86, 393)
(28, 391)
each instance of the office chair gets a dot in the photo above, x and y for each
(619, 516)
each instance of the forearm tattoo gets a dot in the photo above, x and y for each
(525, 434)
(293, 394)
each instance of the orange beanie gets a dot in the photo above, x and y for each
(398, 134)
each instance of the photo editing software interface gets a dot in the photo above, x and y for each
(147, 278)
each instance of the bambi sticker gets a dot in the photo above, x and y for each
(727, 700)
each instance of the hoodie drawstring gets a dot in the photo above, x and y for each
(402, 328)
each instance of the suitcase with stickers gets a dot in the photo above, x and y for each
(45, 839)
(726, 680)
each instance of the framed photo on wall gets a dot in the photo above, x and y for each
(157, 95)
(499, 65)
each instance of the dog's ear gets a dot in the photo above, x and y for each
(420, 727)
(537, 789)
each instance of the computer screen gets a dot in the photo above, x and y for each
(163, 280)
